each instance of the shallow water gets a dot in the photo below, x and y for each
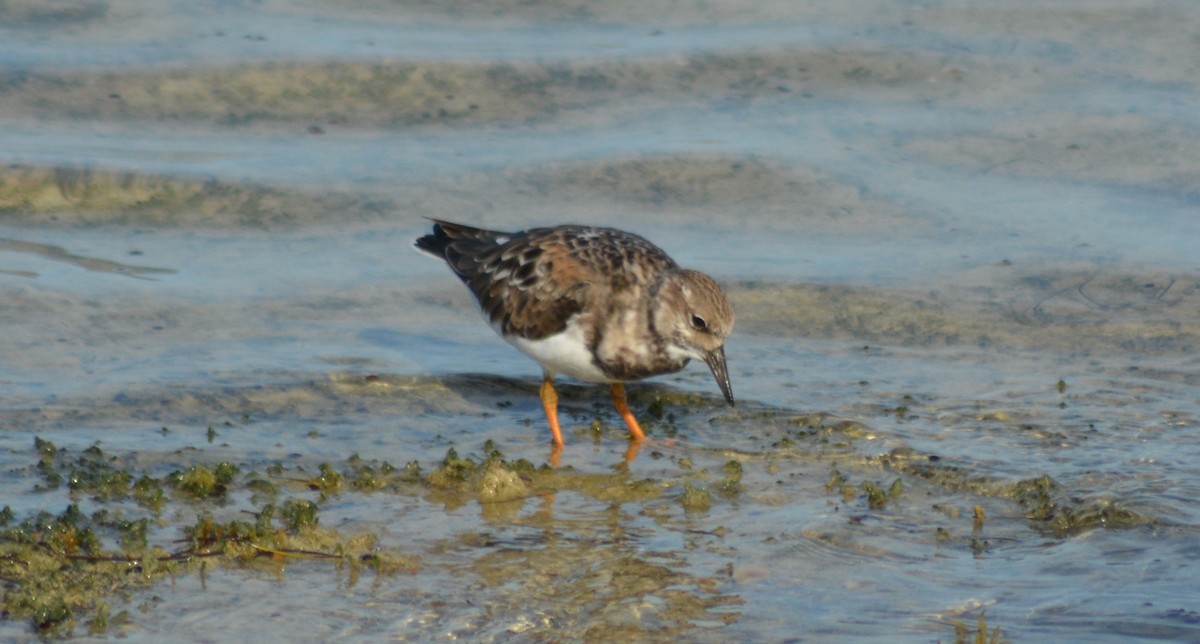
(959, 238)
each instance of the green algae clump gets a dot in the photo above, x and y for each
(202, 482)
(59, 568)
(695, 499)
(498, 484)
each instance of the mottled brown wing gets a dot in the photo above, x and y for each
(530, 283)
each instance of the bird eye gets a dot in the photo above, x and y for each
(698, 323)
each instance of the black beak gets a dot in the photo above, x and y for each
(716, 362)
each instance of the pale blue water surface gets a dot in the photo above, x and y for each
(1027, 170)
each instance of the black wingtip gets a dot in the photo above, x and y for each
(434, 243)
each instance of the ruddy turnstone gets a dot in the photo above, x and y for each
(596, 304)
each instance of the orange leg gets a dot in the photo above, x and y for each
(631, 452)
(618, 398)
(550, 404)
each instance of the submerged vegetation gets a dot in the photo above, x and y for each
(126, 521)
(123, 529)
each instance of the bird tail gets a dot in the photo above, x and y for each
(446, 233)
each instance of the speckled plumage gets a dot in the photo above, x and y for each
(597, 304)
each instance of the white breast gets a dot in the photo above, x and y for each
(565, 353)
